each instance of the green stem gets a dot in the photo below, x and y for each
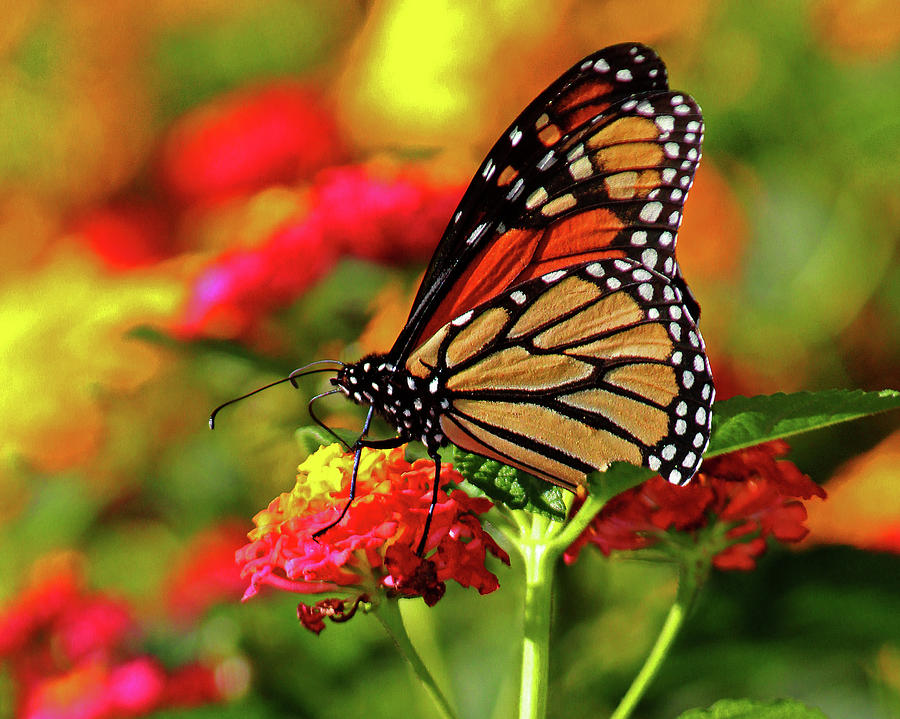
(688, 587)
(539, 558)
(388, 613)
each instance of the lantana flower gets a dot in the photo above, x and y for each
(371, 553)
(735, 503)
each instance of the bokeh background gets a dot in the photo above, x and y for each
(197, 196)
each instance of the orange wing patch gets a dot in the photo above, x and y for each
(656, 382)
(647, 424)
(515, 368)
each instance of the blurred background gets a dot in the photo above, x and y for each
(198, 196)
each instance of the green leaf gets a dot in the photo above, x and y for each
(747, 709)
(311, 437)
(512, 487)
(746, 421)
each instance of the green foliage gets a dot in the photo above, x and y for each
(745, 421)
(747, 709)
(512, 487)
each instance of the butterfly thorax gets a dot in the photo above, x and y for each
(410, 404)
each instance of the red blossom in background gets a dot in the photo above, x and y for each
(356, 212)
(126, 235)
(70, 656)
(372, 551)
(249, 139)
(206, 573)
(750, 495)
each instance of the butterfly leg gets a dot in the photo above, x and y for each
(420, 551)
(358, 448)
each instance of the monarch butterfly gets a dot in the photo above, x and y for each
(553, 330)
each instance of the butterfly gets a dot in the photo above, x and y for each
(553, 330)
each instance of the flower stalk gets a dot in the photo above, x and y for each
(388, 613)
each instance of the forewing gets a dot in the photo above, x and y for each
(598, 165)
(563, 374)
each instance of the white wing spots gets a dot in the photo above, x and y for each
(681, 408)
(488, 170)
(654, 462)
(653, 73)
(624, 75)
(645, 108)
(675, 331)
(536, 198)
(514, 136)
(686, 165)
(645, 290)
(601, 65)
(595, 269)
(693, 126)
(547, 161)
(613, 283)
(476, 233)
(676, 195)
(676, 359)
(674, 477)
(694, 339)
(671, 149)
(698, 439)
(462, 319)
(457, 216)
(692, 153)
(411, 382)
(622, 265)
(418, 405)
(675, 312)
(581, 168)
(707, 389)
(668, 265)
(632, 50)
(685, 181)
(641, 275)
(585, 65)
(682, 110)
(687, 379)
(665, 239)
(689, 137)
(677, 99)
(552, 277)
(653, 194)
(680, 426)
(674, 218)
(650, 211)
(699, 363)
(653, 313)
(666, 123)
(433, 386)
(639, 238)
(669, 174)
(639, 59)
(649, 258)
(701, 416)
(668, 293)
(516, 189)
(575, 153)
(689, 460)
(668, 452)
(518, 297)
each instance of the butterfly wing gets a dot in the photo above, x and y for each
(598, 165)
(562, 374)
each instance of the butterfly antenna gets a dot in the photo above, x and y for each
(292, 378)
(324, 426)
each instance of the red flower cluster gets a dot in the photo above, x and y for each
(356, 212)
(371, 553)
(68, 654)
(735, 502)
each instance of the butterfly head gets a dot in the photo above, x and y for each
(412, 405)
